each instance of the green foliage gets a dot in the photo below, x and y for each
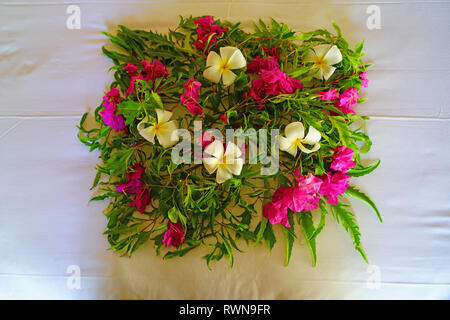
(220, 216)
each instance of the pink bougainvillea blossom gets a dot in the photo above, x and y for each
(329, 95)
(258, 64)
(342, 159)
(174, 236)
(272, 52)
(131, 69)
(137, 187)
(141, 200)
(273, 82)
(207, 30)
(190, 97)
(150, 72)
(302, 197)
(110, 118)
(333, 185)
(224, 117)
(364, 80)
(347, 100)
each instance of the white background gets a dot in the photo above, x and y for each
(50, 75)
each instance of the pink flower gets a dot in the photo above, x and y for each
(136, 186)
(190, 97)
(275, 213)
(174, 236)
(272, 52)
(224, 118)
(141, 200)
(134, 183)
(303, 197)
(333, 185)
(329, 95)
(258, 64)
(342, 159)
(273, 82)
(347, 100)
(364, 80)
(110, 118)
(131, 69)
(206, 29)
(150, 72)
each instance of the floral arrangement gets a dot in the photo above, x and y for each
(288, 98)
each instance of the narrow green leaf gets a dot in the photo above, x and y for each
(361, 195)
(363, 171)
(308, 229)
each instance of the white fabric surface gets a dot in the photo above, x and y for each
(50, 75)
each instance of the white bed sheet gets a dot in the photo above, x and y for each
(50, 75)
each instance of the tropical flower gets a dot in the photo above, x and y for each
(165, 130)
(303, 197)
(364, 80)
(324, 56)
(174, 236)
(136, 186)
(333, 185)
(347, 100)
(295, 138)
(225, 162)
(329, 95)
(190, 97)
(342, 159)
(207, 32)
(220, 66)
(110, 118)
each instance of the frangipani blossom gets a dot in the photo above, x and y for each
(220, 66)
(324, 56)
(225, 162)
(165, 130)
(295, 138)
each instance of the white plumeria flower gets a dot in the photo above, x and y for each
(220, 66)
(165, 130)
(324, 56)
(226, 164)
(295, 138)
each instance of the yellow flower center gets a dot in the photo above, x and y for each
(224, 65)
(297, 142)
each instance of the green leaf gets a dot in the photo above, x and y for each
(173, 214)
(269, 236)
(361, 195)
(363, 171)
(288, 242)
(308, 230)
(348, 220)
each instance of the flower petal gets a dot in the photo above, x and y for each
(163, 115)
(210, 164)
(147, 133)
(227, 52)
(321, 50)
(232, 151)
(306, 150)
(215, 149)
(167, 134)
(213, 59)
(326, 71)
(312, 137)
(333, 56)
(228, 77)
(310, 56)
(223, 175)
(294, 130)
(288, 146)
(237, 60)
(213, 73)
(235, 167)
